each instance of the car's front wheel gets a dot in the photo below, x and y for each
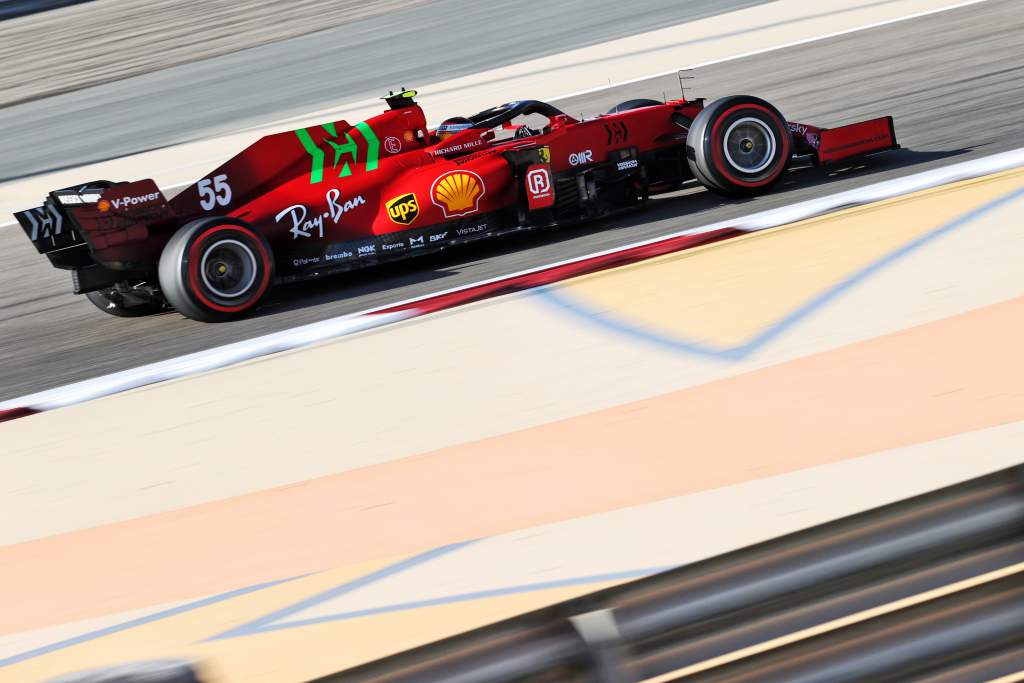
(739, 146)
(215, 269)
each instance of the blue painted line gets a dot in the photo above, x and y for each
(270, 622)
(466, 597)
(608, 322)
(553, 295)
(141, 621)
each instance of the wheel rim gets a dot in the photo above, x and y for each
(749, 145)
(228, 269)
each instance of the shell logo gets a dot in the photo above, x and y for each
(458, 193)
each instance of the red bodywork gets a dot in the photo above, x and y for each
(339, 196)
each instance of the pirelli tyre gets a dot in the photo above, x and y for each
(739, 146)
(215, 269)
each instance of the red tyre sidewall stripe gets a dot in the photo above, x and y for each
(193, 269)
(719, 157)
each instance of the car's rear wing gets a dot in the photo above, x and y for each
(97, 222)
(49, 227)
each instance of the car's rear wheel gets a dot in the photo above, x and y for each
(215, 269)
(629, 105)
(739, 146)
(125, 302)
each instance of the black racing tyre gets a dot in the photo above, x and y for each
(739, 146)
(215, 269)
(113, 302)
(633, 104)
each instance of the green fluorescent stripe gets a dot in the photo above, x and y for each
(349, 148)
(316, 175)
(372, 145)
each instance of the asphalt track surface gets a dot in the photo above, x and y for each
(355, 61)
(952, 80)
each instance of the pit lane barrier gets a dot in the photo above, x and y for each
(157, 671)
(931, 587)
(333, 328)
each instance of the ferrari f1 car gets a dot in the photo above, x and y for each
(317, 201)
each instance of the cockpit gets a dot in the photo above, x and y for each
(505, 114)
(513, 120)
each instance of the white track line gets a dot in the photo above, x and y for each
(352, 323)
(753, 53)
(721, 60)
(783, 46)
(202, 361)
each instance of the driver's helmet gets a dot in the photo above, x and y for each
(452, 126)
(526, 132)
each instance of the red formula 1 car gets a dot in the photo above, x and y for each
(318, 201)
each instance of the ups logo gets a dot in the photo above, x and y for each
(403, 210)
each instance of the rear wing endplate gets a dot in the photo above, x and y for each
(48, 228)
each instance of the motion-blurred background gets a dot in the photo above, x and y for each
(791, 455)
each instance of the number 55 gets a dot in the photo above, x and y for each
(220, 193)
